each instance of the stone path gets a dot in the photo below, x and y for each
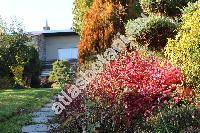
(41, 120)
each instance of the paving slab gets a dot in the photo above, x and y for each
(38, 128)
(46, 109)
(38, 132)
(41, 119)
(44, 114)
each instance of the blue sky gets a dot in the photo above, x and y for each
(34, 13)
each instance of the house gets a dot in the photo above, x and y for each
(55, 45)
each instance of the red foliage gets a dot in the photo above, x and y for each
(138, 84)
(75, 107)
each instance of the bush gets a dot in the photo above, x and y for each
(170, 8)
(184, 50)
(100, 25)
(44, 82)
(27, 67)
(17, 71)
(176, 119)
(132, 87)
(5, 82)
(80, 9)
(191, 7)
(32, 69)
(19, 59)
(151, 32)
(61, 73)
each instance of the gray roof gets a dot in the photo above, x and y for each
(50, 32)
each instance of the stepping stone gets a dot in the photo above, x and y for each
(44, 114)
(42, 119)
(38, 128)
(37, 132)
(45, 109)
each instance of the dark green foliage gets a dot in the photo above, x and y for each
(19, 59)
(176, 119)
(170, 8)
(151, 31)
(32, 69)
(61, 74)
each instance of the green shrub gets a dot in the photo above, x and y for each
(17, 71)
(165, 7)
(32, 69)
(191, 7)
(184, 50)
(177, 119)
(5, 82)
(19, 59)
(61, 74)
(151, 31)
(26, 66)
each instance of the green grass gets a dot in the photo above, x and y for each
(16, 106)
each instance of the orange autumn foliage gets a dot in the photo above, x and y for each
(101, 23)
(187, 94)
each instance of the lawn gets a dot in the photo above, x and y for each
(16, 106)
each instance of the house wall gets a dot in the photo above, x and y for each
(53, 43)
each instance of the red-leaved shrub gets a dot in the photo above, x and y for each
(138, 85)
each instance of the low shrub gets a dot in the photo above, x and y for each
(184, 50)
(131, 87)
(61, 73)
(32, 69)
(183, 118)
(151, 31)
(5, 82)
(45, 83)
(73, 117)
(165, 7)
(18, 75)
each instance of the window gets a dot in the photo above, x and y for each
(67, 54)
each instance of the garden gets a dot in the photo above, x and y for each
(17, 106)
(153, 83)
(21, 90)
(138, 70)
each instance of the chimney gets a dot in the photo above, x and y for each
(47, 26)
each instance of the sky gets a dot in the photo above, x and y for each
(33, 13)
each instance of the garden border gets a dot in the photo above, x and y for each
(86, 77)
